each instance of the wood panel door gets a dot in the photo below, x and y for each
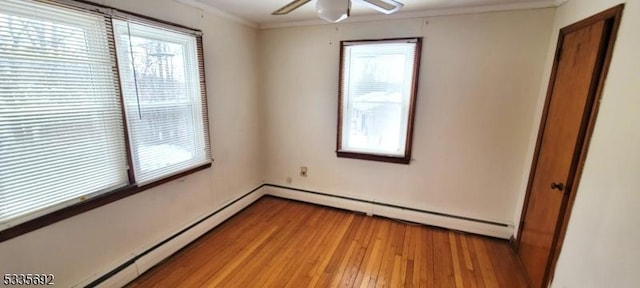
(579, 70)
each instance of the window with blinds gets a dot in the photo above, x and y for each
(61, 136)
(160, 80)
(62, 128)
(378, 86)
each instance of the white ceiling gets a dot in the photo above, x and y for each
(259, 12)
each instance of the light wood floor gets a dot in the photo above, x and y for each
(283, 243)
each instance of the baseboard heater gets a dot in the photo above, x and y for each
(137, 265)
(432, 218)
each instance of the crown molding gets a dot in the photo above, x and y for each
(559, 3)
(379, 17)
(218, 12)
(425, 13)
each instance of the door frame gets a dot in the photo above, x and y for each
(612, 18)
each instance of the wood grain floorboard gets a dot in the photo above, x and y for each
(283, 243)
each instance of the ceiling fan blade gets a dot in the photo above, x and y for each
(384, 6)
(293, 5)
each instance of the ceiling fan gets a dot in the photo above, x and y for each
(337, 10)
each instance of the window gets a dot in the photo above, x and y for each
(90, 105)
(162, 98)
(378, 84)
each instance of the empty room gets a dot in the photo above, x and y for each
(324, 143)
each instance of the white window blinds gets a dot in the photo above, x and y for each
(61, 130)
(163, 101)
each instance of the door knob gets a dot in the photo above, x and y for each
(557, 186)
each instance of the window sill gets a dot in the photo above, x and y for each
(375, 157)
(89, 204)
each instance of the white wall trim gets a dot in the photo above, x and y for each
(143, 261)
(559, 3)
(449, 222)
(121, 278)
(218, 12)
(154, 255)
(424, 13)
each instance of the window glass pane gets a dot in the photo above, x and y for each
(61, 132)
(377, 86)
(160, 79)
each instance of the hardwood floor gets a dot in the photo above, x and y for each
(283, 243)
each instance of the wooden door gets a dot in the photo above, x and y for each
(579, 70)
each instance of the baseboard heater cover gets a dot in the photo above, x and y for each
(460, 223)
(137, 265)
(142, 262)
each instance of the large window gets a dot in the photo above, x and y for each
(378, 82)
(90, 105)
(161, 90)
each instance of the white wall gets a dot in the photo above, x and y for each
(601, 245)
(90, 244)
(478, 90)
(480, 84)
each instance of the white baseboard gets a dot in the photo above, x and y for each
(121, 278)
(155, 255)
(146, 260)
(391, 211)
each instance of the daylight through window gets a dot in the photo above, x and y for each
(378, 86)
(160, 82)
(65, 81)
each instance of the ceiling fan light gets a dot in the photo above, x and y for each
(384, 6)
(333, 10)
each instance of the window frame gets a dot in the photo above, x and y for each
(175, 106)
(133, 187)
(406, 158)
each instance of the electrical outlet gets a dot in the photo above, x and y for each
(303, 171)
